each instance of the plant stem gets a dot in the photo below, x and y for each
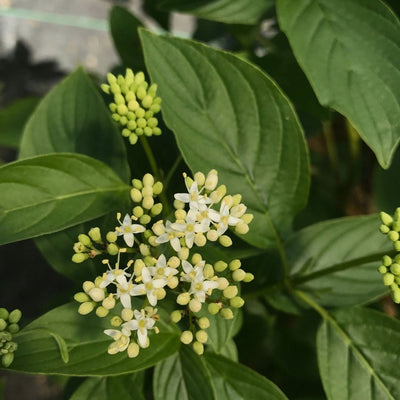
(330, 143)
(320, 310)
(172, 171)
(156, 172)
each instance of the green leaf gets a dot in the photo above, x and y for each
(228, 115)
(73, 118)
(86, 344)
(125, 387)
(13, 119)
(336, 261)
(349, 52)
(182, 376)
(358, 355)
(123, 27)
(247, 12)
(233, 381)
(48, 193)
(229, 350)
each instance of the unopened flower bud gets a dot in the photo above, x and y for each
(236, 302)
(396, 245)
(156, 209)
(147, 191)
(145, 219)
(226, 313)
(176, 316)
(133, 350)
(137, 183)
(382, 269)
(138, 266)
(160, 293)
(238, 275)
(116, 321)
(13, 328)
(213, 308)
(195, 305)
(4, 313)
(388, 279)
(395, 269)
(136, 195)
(217, 195)
(183, 299)
(85, 240)
(186, 337)
(95, 234)
(97, 294)
(148, 180)
(393, 236)
(111, 237)
(183, 253)
(127, 314)
(225, 240)
(102, 312)
(220, 266)
(199, 178)
(201, 336)
(235, 264)
(198, 348)
(179, 204)
(211, 180)
(81, 297)
(247, 218)
(208, 271)
(199, 239)
(112, 249)
(241, 228)
(148, 202)
(180, 214)
(223, 283)
(87, 286)
(79, 257)
(174, 262)
(157, 188)
(387, 261)
(86, 308)
(203, 323)
(7, 359)
(3, 324)
(173, 282)
(386, 218)
(396, 296)
(230, 292)
(144, 249)
(14, 316)
(384, 229)
(248, 277)
(109, 302)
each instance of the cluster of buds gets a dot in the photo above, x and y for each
(390, 268)
(8, 327)
(200, 288)
(134, 105)
(93, 244)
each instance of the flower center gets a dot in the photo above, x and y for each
(160, 271)
(148, 286)
(198, 286)
(224, 220)
(189, 227)
(127, 229)
(142, 323)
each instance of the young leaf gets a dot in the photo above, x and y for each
(228, 115)
(336, 261)
(182, 376)
(47, 193)
(357, 355)
(73, 118)
(233, 381)
(125, 387)
(247, 12)
(86, 345)
(349, 52)
(123, 27)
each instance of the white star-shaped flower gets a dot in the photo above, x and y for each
(128, 230)
(161, 270)
(190, 228)
(114, 275)
(141, 324)
(121, 339)
(125, 291)
(149, 286)
(194, 197)
(223, 218)
(171, 236)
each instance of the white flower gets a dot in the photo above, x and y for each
(196, 200)
(149, 286)
(190, 228)
(161, 270)
(199, 286)
(142, 324)
(171, 236)
(124, 291)
(121, 339)
(223, 218)
(128, 230)
(117, 274)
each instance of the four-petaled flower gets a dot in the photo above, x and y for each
(128, 230)
(196, 200)
(149, 286)
(141, 324)
(161, 270)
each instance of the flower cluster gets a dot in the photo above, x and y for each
(390, 268)
(161, 258)
(8, 327)
(134, 105)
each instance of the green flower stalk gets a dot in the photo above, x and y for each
(8, 327)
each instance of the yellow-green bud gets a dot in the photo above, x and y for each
(223, 283)
(247, 218)
(111, 78)
(226, 313)
(149, 261)
(241, 228)
(127, 314)
(137, 184)
(201, 336)
(225, 241)
(97, 294)
(174, 262)
(79, 257)
(156, 209)
(81, 297)
(105, 88)
(396, 245)
(148, 202)
(85, 240)
(382, 269)
(157, 188)
(386, 218)
(238, 275)
(87, 286)
(112, 249)
(160, 293)
(213, 308)
(212, 235)
(116, 321)
(86, 307)
(98, 281)
(180, 214)
(393, 236)
(173, 282)
(395, 269)
(147, 101)
(236, 302)
(148, 180)
(7, 359)
(3, 324)
(248, 277)
(230, 292)
(111, 237)
(199, 178)
(211, 180)
(183, 253)
(136, 195)
(203, 323)
(387, 261)
(183, 299)
(208, 271)
(199, 239)
(198, 348)
(196, 258)
(220, 266)
(218, 194)
(236, 199)
(147, 191)
(94, 233)
(384, 229)
(133, 139)
(186, 337)
(145, 219)
(13, 328)
(109, 302)
(137, 211)
(176, 316)
(195, 305)
(138, 266)
(4, 313)
(133, 350)
(101, 312)
(14, 316)
(144, 249)
(235, 264)
(388, 279)
(396, 226)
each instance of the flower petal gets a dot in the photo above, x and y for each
(128, 237)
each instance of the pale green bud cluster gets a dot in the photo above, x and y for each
(93, 244)
(135, 104)
(8, 327)
(94, 297)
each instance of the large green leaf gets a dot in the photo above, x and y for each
(358, 352)
(336, 261)
(86, 343)
(228, 115)
(73, 118)
(233, 381)
(182, 376)
(228, 11)
(123, 27)
(13, 119)
(48, 193)
(125, 387)
(349, 51)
